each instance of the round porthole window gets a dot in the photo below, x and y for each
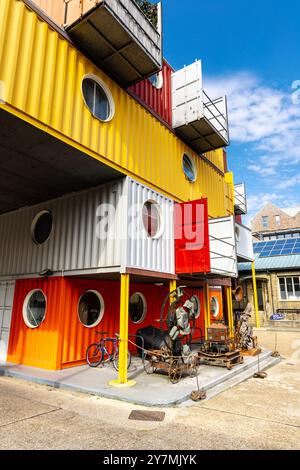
(41, 227)
(189, 168)
(90, 308)
(98, 98)
(34, 308)
(152, 218)
(214, 307)
(197, 307)
(137, 308)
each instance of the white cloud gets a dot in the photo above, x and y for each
(260, 114)
(266, 120)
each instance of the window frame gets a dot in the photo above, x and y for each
(286, 289)
(34, 223)
(107, 92)
(160, 216)
(145, 307)
(265, 221)
(25, 305)
(215, 298)
(195, 296)
(102, 309)
(193, 165)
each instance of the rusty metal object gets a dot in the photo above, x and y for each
(218, 333)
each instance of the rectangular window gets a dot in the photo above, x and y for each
(265, 221)
(277, 219)
(289, 288)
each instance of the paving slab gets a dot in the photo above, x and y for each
(150, 390)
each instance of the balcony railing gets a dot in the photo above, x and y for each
(124, 36)
(240, 200)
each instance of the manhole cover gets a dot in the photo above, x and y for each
(140, 415)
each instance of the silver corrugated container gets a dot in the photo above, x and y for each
(143, 252)
(73, 244)
(80, 242)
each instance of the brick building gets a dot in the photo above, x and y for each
(272, 223)
(276, 235)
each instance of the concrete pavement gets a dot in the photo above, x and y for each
(257, 414)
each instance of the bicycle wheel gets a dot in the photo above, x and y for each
(94, 355)
(116, 360)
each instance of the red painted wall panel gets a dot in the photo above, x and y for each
(159, 100)
(192, 255)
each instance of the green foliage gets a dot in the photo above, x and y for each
(149, 9)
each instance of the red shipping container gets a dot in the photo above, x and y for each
(192, 253)
(158, 100)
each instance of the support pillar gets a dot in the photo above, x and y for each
(206, 308)
(173, 286)
(123, 343)
(230, 311)
(255, 295)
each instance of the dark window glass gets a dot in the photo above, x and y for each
(96, 99)
(90, 309)
(137, 308)
(42, 228)
(197, 307)
(151, 218)
(188, 168)
(282, 288)
(35, 309)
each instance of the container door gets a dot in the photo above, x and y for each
(187, 100)
(7, 289)
(192, 238)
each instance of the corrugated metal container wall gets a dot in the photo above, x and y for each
(76, 337)
(158, 99)
(61, 340)
(134, 141)
(74, 243)
(37, 347)
(143, 252)
(54, 9)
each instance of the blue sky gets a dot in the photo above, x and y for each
(250, 50)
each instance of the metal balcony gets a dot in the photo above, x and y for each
(244, 245)
(223, 255)
(240, 200)
(118, 35)
(200, 121)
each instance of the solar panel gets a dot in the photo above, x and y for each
(278, 247)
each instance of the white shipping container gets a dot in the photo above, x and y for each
(223, 246)
(202, 122)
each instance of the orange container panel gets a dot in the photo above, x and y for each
(36, 347)
(216, 304)
(75, 336)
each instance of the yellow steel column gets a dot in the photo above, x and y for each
(206, 308)
(123, 344)
(255, 295)
(173, 286)
(230, 310)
